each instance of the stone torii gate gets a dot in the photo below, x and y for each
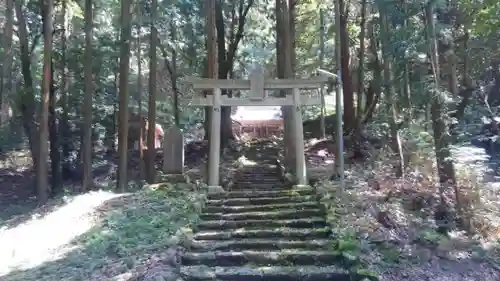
(257, 85)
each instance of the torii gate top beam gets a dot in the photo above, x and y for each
(257, 85)
(257, 82)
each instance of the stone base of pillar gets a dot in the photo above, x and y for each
(290, 178)
(214, 189)
(174, 178)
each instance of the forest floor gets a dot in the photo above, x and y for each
(99, 235)
(390, 222)
(102, 235)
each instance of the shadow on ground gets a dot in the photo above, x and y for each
(120, 236)
(17, 195)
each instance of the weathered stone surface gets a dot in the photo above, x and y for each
(260, 244)
(173, 148)
(264, 193)
(258, 200)
(278, 215)
(295, 223)
(261, 208)
(282, 273)
(174, 178)
(283, 232)
(282, 257)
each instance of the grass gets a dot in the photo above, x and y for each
(127, 233)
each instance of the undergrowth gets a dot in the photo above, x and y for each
(129, 230)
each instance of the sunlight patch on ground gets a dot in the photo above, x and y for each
(245, 162)
(46, 238)
(257, 113)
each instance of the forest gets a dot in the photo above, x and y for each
(88, 88)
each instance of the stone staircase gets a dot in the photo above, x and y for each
(262, 229)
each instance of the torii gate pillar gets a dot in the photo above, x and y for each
(298, 133)
(214, 153)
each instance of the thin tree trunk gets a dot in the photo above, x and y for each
(406, 73)
(389, 91)
(212, 65)
(64, 124)
(139, 93)
(55, 152)
(348, 95)
(5, 75)
(321, 64)
(27, 102)
(444, 161)
(150, 167)
(87, 101)
(361, 73)
(173, 74)
(42, 169)
(125, 23)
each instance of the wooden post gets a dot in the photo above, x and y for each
(300, 158)
(214, 154)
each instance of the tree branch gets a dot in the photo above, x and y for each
(243, 12)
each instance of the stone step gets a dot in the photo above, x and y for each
(275, 215)
(259, 244)
(259, 184)
(259, 200)
(259, 177)
(284, 232)
(267, 273)
(266, 173)
(259, 208)
(282, 257)
(264, 169)
(263, 193)
(258, 189)
(310, 222)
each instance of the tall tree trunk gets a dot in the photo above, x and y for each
(27, 101)
(55, 152)
(348, 93)
(125, 23)
(139, 91)
(285, 70)
(226, 54)
(6, 69)
(452, 68)
(87, 101)
(374, 91)
(64, 127)
(211, 57)
(444, 161)
(150, 167)
(406, 72)
(42, 169)
(389, 90)
(361, 73)
(321, 64)
(116, 105)
(467, 93)
(173, 74)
